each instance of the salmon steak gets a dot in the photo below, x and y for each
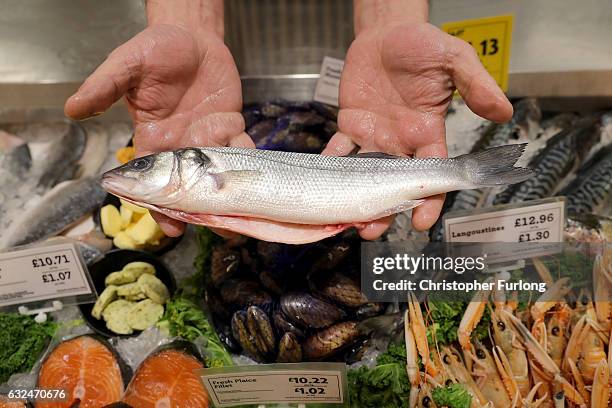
(6, 402)
(167, 378)
(87, 369)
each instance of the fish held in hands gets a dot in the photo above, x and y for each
(296, 198)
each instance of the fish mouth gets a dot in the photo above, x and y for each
(114, 184)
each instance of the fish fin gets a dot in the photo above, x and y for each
(405, 206)
(374, 155)
(222, 179)
(495, 166)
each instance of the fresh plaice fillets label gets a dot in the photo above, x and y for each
(41, 273)
(275, 383)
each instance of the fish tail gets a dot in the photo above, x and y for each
(495, 166)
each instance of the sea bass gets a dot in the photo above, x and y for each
(298, 198)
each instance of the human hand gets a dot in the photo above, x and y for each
(181, 90)
(396, 86)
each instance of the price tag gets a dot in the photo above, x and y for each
(328, 85)
(42, 273)
(491, 38)
(302, 383)
(537, 224)
(533, 221)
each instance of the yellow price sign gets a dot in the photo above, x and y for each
(491, 38)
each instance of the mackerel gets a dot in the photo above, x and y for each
(527, 113)
(589, 192)
(562, 154)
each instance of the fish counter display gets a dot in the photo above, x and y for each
(291, 292)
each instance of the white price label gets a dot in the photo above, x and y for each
(328, 85)
(276, 383)
(533, 221)
(537, 224)
(41, 273)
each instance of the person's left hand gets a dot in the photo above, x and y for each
(396, 86)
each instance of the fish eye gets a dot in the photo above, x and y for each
(572, 304)
(426, 401)
(446, 359)
(555, 331)
(584, 300)
(480, 354)
(448, 382)
(501, 325)
(140, 164)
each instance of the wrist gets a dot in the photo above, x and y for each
(383, 13)
(192, 15)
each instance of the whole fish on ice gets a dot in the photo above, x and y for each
(589, 192)
(297, 197)
(562, 154)
(60, 207)
(522, 126)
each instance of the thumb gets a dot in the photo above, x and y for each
(479, 90)
(106, 85)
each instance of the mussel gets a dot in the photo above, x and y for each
(242, 335)
(289, 349)
(224, 264)
(216, 305)
(338, 288)
(327, 111)
(357, 351)
(330, 340)
(369, 310)
(299, 121)
(272, 109)
(332, 256)
(260, 327)
(308, 311)
(253, 330)
(244, 293)
(271, 282)
(283, 326)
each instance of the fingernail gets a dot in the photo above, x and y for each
(90, 116)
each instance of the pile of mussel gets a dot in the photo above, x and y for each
(286, 303)
(301, 126)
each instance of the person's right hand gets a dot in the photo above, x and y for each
(181, 90)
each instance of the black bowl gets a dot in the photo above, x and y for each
(115, 260)
(166, 244)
